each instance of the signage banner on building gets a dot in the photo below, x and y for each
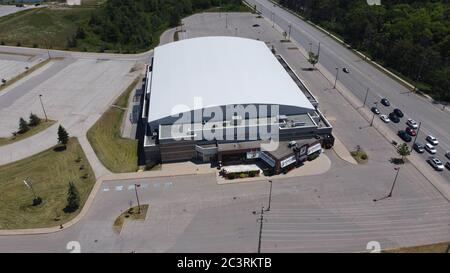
(314, 148)
(253, 154)
(288, 161)
(267, 159)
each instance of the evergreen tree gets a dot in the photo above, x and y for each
(34, 120)
(73, 199)
(23, 126)
(63, 136)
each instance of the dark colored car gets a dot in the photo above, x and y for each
(375, 110)
(410, 131)
(418, 148)
(393, 117)
(403, 135)
(398, 112)
(345, 70)
(385, 102)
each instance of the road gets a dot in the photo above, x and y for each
(10, 9)
(363, 75)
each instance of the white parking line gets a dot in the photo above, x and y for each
(105, 189)
(119, 188)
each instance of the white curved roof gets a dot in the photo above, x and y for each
(220, 71)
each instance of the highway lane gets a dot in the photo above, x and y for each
(362, 75)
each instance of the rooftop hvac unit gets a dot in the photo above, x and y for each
(299, 124)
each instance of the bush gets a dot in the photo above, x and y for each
(364, 156)
(37, 201)
(230, 176)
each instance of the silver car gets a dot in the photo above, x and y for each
(436, 163)
(430, 148)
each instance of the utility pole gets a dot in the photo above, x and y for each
(261, 220)
(137, 197)
(365, 99)
(335, 81)
(43, 109)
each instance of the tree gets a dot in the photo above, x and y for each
(34, 120)
(403, 150)
(73, 199)
(80, 34)
(63, 136)
(23, 126)
(313, 58)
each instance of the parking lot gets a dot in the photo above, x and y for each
(75, 92)
(12, 65)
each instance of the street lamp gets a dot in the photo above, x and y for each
(335, 81)
(392, 188)
(273, 22)
(226, 20)
(373, 116)
(43, 109)
(289, 32)
(270, 195)
(137, 197)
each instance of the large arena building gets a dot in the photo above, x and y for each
(228, 99)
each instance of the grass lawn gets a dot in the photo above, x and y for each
(118, 154)
(51, 171)
(43, 27)
(434, 248)
(130, 214)
(33, 130)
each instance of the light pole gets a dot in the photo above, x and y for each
(289, 32)
(365, 98)
(43, 109)
(310, 47)
(335, 81)
(226, 20)
(417, 134)
(373, 116)
(273, 21)
(392, 188)
(318, 53)
(270, 195)
(137, 197)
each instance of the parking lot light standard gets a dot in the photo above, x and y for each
(373, 116)
(270, 195)
(43, 109)
(335, 80)
(137, 197)
(417, 134)
(392, 188)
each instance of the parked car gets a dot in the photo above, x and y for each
(398, 112)
(431, 139)
(403, 135)
(447, 165)
(436, 163)
(394, 118)
(410, 131)
(412, 123)
(418, 148)
(384, 118)
(447, 154)
(375, 110)
(430, 148)
(345, 70)
(385, 102)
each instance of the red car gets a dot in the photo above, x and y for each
(410, 131)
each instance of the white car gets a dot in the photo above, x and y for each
(385, 118)
(432, 140)
(430, 148)
(436, 163)
(412, 123)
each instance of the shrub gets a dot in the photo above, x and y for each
(364, 156)
(230, 176)
(37, 201)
